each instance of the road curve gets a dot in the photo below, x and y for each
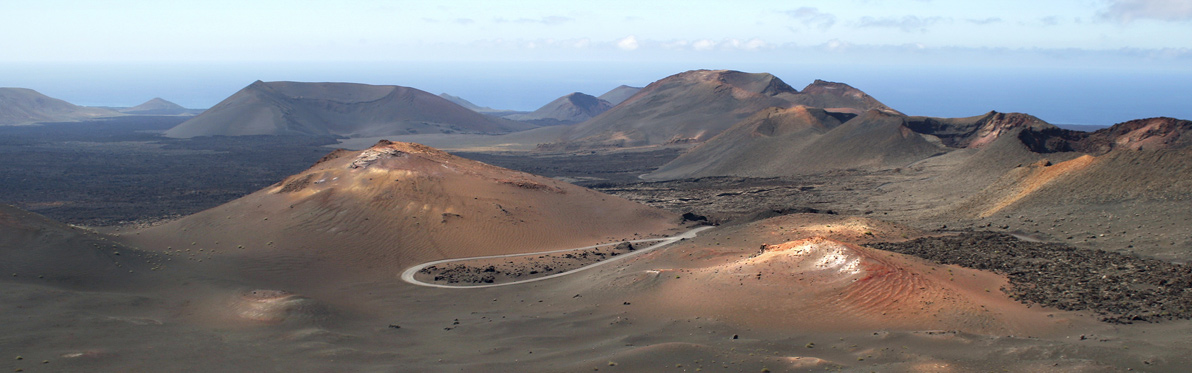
(408, 274)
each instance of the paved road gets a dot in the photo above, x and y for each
(408, 275)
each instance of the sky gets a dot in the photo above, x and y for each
(1060, 58)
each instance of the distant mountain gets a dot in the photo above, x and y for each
(696, 105)
(572, 108)
(159, 106)
(470, 106)
(619, 94)
(26, 106)
(337, 109)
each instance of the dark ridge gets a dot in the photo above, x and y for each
(583, 100)
(777, 86)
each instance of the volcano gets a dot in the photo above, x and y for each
(397, 204)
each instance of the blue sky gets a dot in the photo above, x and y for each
(271, 30)
(48, 41)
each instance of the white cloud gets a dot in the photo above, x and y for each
(836, 45)
(551, 20)
(1126, 11)
(548, 20)
(755, 44)
(812, 17)
(985, 21)
(676, 44)
(628, 43)
(703, 45)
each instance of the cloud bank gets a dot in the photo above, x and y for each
(813, 17)
(1127, 11)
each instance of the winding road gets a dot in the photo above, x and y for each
(408, 274)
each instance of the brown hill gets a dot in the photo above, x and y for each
(26, 106)
(696, 105)
(376, 211)
(572, 108)
(336, 109)
(779, 142)
(618, 95)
